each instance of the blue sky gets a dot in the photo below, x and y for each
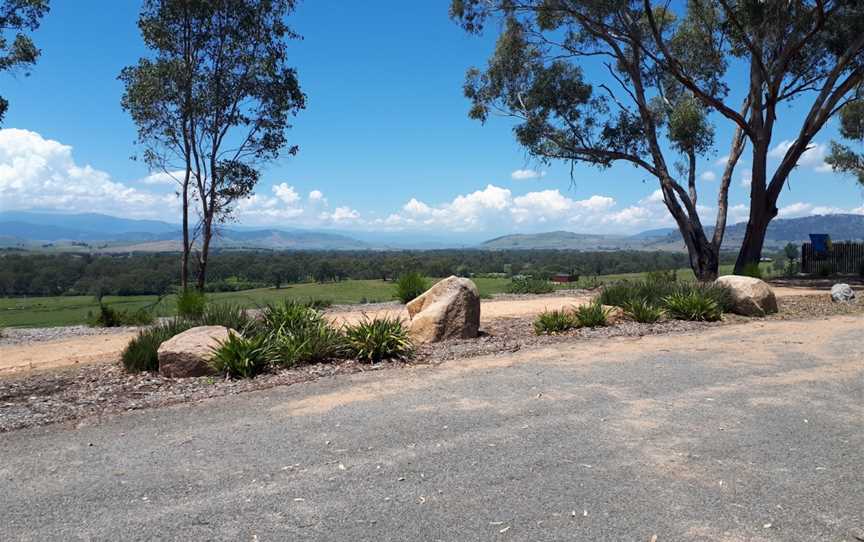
(385, 143)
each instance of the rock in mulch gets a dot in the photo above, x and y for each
(189, 353)
(842, 293)
(448, 310)
(750, 296)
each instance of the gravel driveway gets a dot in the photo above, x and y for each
(736, 433)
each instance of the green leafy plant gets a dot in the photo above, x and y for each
(529, 285)
(410, 286)
(141, 352)
(224, 314)
(191, 304)
(372, 340)
(693, 305)
(110, 317)
(554, 321)
(318, 303)
(642, 311)
(296, 333)
(663, 277)
(240, 357)
(592, 315)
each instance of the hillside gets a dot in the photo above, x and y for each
(780, 232)
(112, 234)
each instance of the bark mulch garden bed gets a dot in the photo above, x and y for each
(89, 391)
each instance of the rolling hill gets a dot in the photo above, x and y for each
(113, 234)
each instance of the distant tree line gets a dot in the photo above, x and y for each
(24, 274)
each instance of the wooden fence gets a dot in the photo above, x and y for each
(844, 257)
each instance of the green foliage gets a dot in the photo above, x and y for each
(694, 305)
(555, 321)
(240, 357)
(529, 285)
(377, 339)
(642, 311)
(790, 251)
(18, 52)
(191, 304)
(661, 277)
(410, 286)
(752, 269)
(227, 315)
(296, 333)
(110, 317)
(655, 294)
(591, 315)
(141, 352)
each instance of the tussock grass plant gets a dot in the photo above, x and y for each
(141, 352)
(554, 321)
(529, 285)
(593, 314)
(241, 357)
(642, 311)
(376, 339)
(191, 304)
(410, 286)
(693, 305)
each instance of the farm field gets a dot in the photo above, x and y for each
(76, 310)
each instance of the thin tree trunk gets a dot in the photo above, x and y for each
(206, 234)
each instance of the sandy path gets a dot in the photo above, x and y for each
(15, 359)
(489, 310)
(52, 354)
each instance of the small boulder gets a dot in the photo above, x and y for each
(189, 353)
(842, 293)
(750, 296)
(448, 310)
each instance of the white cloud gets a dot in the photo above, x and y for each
(163, 177)
(527, 174)
(341, 215)
(746, 178)
(316, 196)
(286, 193)
(708, 176)
(799, 209)
(722, 160)
(812, 158)
(40, 173)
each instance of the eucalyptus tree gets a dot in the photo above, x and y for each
(843, 157)
(213, 103)
(668, 79)
(17, 50)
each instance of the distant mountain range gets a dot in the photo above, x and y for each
(112, 234)
(91, 231)
(780, 232)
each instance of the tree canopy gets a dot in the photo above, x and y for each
(17, 50)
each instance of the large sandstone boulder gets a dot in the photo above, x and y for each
(189, 353)
(750, 296)
(448, 310)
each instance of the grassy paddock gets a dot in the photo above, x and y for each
(72, 310)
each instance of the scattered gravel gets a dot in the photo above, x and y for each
(12, 336)
(95, 390)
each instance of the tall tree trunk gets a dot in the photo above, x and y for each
(704, 256)
(206, 235)
(184, 265)
(762, 211)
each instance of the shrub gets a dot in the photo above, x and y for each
(410, 286)
(296, 333)
(752, 269)
(191, 304)
(224, 314)
(642, 311)
(109, 317)
(141, 352)
(622, 293)
(692, 305)
(377, 339)
(240, 357)
(592, 315)
(318, 304)
(529, 285)
(825, 270)
(555, 321)
(663, 277)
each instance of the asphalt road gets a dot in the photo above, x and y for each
(741, 433)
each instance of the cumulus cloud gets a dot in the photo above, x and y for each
(799, 209)
(708, 176)
(317, 196)
(163, 177)
(36, 172)
(527, 174)
(813, 158)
